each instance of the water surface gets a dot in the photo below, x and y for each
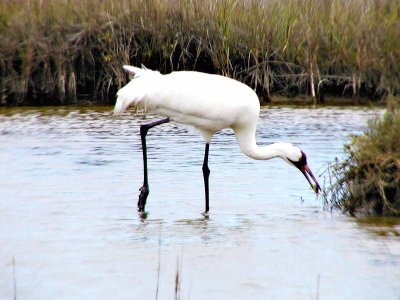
(68, 194)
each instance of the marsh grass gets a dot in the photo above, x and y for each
(367, 182)
(63, 50)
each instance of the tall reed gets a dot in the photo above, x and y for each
(62, 50)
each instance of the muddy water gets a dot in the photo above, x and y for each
(69, 228)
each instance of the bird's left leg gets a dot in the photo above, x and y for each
(144, 190)
(206, 175)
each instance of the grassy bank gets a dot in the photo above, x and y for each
(62, 50)
(367, 182)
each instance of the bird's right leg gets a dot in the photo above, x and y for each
(206, 175)
(144, 190)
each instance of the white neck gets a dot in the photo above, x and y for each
(248, 145)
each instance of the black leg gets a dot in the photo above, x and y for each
(144, 190)
(206, 174)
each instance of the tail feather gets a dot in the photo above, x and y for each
(134, 91)
(136, 71)
(120, 106)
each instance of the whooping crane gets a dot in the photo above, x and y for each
(209, 103)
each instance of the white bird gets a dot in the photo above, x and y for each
(209, 103)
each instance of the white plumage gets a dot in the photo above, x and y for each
(209, 103)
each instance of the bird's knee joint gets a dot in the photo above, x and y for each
(143, 130)
(206, 170)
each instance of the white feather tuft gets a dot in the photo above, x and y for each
(134, 70)
(120, 107)
(134, 92)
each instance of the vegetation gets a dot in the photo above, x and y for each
(367, 182)
(382, 226)
(62, 50)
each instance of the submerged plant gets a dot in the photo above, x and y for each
(367, 182)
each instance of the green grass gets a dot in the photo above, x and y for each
(54, 52)
(367, 182)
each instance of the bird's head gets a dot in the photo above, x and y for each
(296, 157)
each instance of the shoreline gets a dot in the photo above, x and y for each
(275, 100)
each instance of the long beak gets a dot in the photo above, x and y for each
(306, 171)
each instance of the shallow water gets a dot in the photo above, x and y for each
(68, 194)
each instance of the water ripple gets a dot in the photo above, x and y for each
(69, 188)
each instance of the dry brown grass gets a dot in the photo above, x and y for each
(62, 50)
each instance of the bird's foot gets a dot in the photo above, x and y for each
(205, 215)
(144, 192)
